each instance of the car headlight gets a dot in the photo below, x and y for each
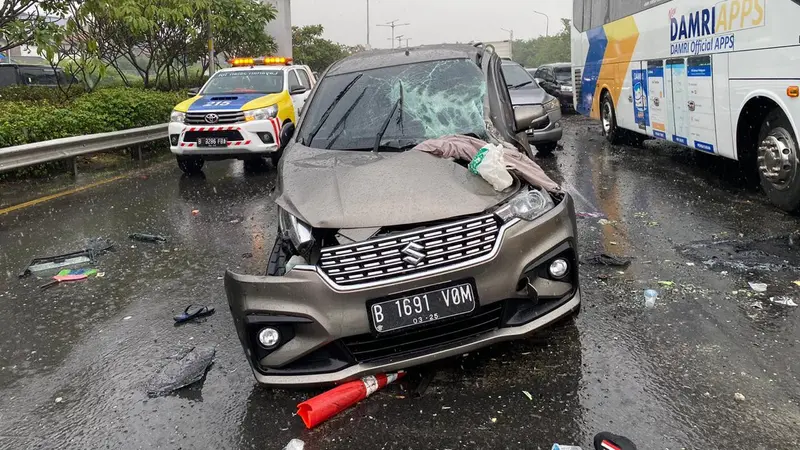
(261, 113)
(296, 230)
(527, 205)
(177, 116)
(552, 105)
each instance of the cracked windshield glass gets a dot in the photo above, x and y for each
(420, 101)
(400, 225)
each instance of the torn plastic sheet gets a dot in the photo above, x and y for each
(95, 248)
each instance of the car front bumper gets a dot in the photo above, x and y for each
(255, 137)
(328, 326)
(551, 131)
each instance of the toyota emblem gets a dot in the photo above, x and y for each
(212, 118)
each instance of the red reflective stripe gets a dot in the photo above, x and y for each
(191, 129)
(190, 144)
(277, 133)
(246, 142)
(230, 128)
(182, 144)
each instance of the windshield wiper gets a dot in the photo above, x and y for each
(328, 111)
(341, 121)
(398, 103)
(517, 86)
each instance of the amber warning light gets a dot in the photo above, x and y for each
(264, 61)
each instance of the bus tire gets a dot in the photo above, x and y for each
(608, 117)
(777, 161)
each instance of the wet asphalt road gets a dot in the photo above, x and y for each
(75, 359)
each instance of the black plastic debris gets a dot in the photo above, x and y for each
(605, 259)
(193, 312)
(143, 237)
(769, 254)
(185, 369)
(95, 248)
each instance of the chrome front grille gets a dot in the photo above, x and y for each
(225, 117)
(411, 252)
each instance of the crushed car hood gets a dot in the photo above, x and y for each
(358, 189)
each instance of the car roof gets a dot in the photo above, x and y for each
(375, 59)
(563, 64)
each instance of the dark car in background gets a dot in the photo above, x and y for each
(545, 132)
(13, 74)
(556, 79)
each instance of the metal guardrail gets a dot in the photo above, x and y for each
(40, 152)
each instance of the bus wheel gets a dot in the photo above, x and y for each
(608, 116)
(778, 161)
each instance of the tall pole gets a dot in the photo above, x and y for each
(510, 42)
(407, 39)
(399, 41)
(547, 24)
(211, 57)
(393, 25)
(368, 46)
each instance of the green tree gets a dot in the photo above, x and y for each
(544, 49)
(310, 48)
(29, 21)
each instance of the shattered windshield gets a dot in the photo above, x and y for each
(563, 75)
(399, 106)
(516, 75)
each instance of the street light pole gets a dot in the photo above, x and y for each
(547, 24)
(211, 57)
(393, 25)
(510, 42)
(368, 46)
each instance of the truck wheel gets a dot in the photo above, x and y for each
(546, 148)
(190, 165)
(277, 259)
(777, 156)
(608, 116)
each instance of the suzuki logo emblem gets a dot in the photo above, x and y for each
(212, 118)
(414, 254)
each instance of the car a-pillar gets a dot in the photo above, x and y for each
(767, 143)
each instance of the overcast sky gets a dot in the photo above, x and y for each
(431, 21)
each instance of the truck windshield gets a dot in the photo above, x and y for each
(404, 104)
(245, 82)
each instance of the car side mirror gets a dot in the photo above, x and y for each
(524, 116)
(539, 80)
(297, 89)
(287, 132)
(193, 91)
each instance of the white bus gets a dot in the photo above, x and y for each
(721, 77)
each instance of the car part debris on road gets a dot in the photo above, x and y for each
(193, 312)
(565, 447)
(610, 441)
(326, 405)
(295, 444)
(188, 368)
(143, 237)
(785, 301)
(95, 248)
(758, 287)
(590, 215)
(609, 260)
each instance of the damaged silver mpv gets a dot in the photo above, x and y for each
(390, 251)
